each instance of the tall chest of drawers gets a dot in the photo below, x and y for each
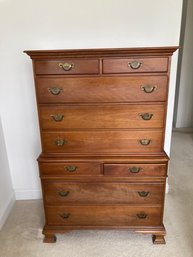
(102, 119)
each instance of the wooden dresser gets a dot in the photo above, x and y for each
(102, 119)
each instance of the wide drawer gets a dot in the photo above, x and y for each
(102, 89)
(131, 65)
(67, 66)
(103, 116)
(104, 215)
(115, 193)
(103, 142)
(135, 170)
(70, 169)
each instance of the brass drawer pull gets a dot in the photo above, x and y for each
(134, 169)
(60, 142)
(54, 90)
(66, 66)
(142, 215)
(65, 215)
(148, 88)
(135, 65)
(57, 117)
(64, 193)
(146, 116)
(70, 168)
(143, 193)
(145, 141)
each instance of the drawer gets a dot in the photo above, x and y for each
(132, 65)
(70, 169)
(67, 66)
(103, 142)
(104, 216)
(102, 89)
(135, 170)
(103, 116)
(114, 193)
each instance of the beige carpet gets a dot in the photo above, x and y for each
(21, 235)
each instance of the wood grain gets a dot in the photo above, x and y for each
(147, 65)
(98, 193)
(102, 89)
(80, 66)
(112, 215)
(145, 170)
(103, 142)
(61, 169)
(101, 176)
(102, 116)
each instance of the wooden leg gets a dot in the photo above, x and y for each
(49, 238)
(158, 239)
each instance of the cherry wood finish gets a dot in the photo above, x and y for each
(112, 215)
(70, 169)
(102, 89)
(102, 119)
(88, 66)
(135, 170)
(103, 116)
(103, 142)
(103, 193)
(146, 65)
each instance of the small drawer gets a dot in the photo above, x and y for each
(67, 66)
(103, 142)
(135, 170)
(132, 65)
(102, 116)
(101, 193)
(102, 89)
(112, 215)
(70, 169)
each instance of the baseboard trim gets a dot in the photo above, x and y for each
(28, 194)
(6, 210)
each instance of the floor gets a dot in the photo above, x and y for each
(21, 235)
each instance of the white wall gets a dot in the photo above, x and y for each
(64, 24)
(185, 99)
(7, 197)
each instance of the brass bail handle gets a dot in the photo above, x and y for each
(54, 90)
(148, 88)
(60, 142)
(70, 168)
(135, 65)
(142, 215)
(146, 116)
(66, 66)
(57, 117)
(135, 169)
(143, 193)
(64, 193)
(65, 215)
(145, 141)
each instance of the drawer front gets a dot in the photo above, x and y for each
(135, 170)
(67, 66)
(70, 169)
(102, 89)
(104, 215)
(100, 142)
(103, 116)
(133, 65)
(115, 193)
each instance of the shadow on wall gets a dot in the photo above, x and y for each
(7, 197)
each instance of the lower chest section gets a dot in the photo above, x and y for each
(103, 193)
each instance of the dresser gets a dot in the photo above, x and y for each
(102, 116)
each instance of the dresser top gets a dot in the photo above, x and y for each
(103, 52)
